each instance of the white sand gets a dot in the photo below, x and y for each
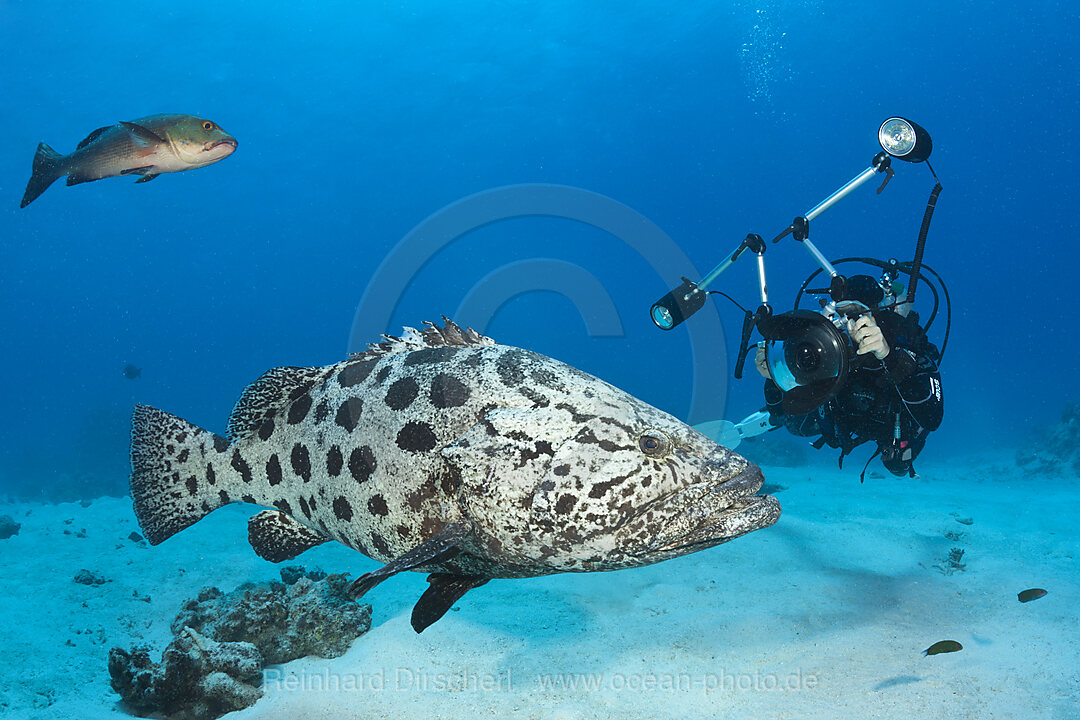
(824, 615)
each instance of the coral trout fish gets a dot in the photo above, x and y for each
(146, 147)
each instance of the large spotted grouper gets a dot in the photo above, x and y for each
(445, 453)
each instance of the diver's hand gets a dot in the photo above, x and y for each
(868, 338)
(759, 363)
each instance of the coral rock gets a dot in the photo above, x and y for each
(197, 678)
(8, 527)
(284, 622)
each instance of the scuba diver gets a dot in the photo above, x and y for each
(860, 368)
(891, 396)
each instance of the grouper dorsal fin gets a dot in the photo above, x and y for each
(274, 391)
(432, 336)
(277, 537)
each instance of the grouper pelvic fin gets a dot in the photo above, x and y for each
(442, 546)
(273, 392)
(144, 134)
(444, 591)
(277, 537)
(93, 136)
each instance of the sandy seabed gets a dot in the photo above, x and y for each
(824, 615)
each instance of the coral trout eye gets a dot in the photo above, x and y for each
(207, 125)
(653, 445)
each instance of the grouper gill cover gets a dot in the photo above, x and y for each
(443, 452)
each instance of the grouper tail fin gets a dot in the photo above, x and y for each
(47, 168)
(173, 479)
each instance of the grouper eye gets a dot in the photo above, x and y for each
(207, 125)
(653, 444)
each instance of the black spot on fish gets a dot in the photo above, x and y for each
(379, 543)
(342, 509)
(547, 485)
(239, 465)
(311, 502)
(562, 470)
(448, 392)
(348, 415)
(183, 456)
(402, 531)
(538, 400)
(205, 506)
(283, 506)
(574, 414)
(301, 461)
(416, 437)
(355, 373)
(322, 411)
(449, 480)
(509, 368)
(334, 461)
(266, 429)
(220, 443)
(541, 447)
(225, 500)
(192, 485)
(377, 506)
(565, 504)
(362, 463)
(299, 409)
(423, 494)
(304, 508)
(601, 488)
(429, 355)
(273, 470)
(211, 476)
(402, 393)
(586, 436)
(382, 374)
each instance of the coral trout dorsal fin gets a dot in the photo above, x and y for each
(274, 391)
(93, 136)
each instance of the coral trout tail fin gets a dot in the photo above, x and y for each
(47, 168)
(173, 482)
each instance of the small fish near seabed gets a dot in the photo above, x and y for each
(943, 646)
(132, 372)
(1030, 594)
(442, 452)
(146, 147)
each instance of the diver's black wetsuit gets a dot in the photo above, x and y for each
(878, 396)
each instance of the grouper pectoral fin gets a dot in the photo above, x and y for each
(277, 537)
(441, 546)
(444, 591)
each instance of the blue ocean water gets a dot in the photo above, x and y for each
(543, 172)
(358, 121)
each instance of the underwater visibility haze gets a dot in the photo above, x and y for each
(542, 173)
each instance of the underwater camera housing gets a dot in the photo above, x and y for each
(809, 354)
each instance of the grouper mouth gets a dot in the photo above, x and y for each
(710, 513)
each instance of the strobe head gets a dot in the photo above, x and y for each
(677, 305)
(905, 140)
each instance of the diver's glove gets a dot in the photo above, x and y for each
(760, 364)
(867, 336)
